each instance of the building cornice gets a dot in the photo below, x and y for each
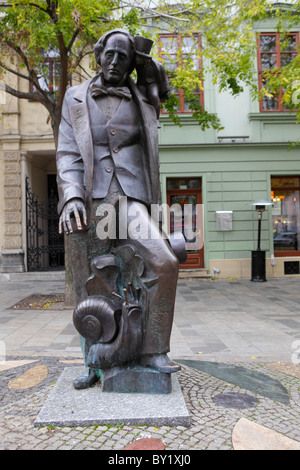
(26, 138)
(273, 117)
(211, 145)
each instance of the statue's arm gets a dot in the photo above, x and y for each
(70, 176)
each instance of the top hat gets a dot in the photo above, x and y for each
(143, 46)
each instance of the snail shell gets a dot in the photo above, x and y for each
(97, 319)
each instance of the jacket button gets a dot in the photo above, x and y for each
(115, 150)
(113, 131)
(108, 170)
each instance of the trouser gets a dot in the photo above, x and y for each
(160, 264)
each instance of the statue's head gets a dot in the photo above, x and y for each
(115, 52)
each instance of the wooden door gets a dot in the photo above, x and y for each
(186, 192)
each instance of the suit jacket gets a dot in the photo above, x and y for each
(75, 153)
(118, 147)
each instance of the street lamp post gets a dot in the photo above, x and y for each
(258, 260)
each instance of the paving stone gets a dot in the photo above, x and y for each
(286, 368)
(252, 436)
(146, 444)
(13, 364)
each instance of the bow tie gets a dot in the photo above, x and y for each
(101, 90)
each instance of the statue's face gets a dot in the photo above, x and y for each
(116, 59)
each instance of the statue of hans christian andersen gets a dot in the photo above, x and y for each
(108, 158)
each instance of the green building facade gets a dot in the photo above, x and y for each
(250, 160)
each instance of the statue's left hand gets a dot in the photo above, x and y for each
(73, 209)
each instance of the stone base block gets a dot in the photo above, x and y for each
(66, 406)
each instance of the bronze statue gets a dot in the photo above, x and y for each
(107, 158)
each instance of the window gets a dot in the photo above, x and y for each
(274, 51)
(49, 73)
(175, 51)
(286, 215)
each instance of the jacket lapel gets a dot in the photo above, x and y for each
(79, 115)
(149, 120)
(80, 120)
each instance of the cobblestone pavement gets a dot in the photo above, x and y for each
(221, 322)
(211, 424)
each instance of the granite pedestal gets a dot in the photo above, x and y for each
(69, 407)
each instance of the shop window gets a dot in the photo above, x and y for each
(274, 51)
(286, 215)
(175, 51)
(184, 183)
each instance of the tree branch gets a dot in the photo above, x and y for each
(32, 74)
(40, 8)
(18, 74)
(19, 51)
(24, 95)
(47, 101)
(156, 13)
(69, 46)
(45, 10)
(84, 73)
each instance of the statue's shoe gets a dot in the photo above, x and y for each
(85, 381)
(160, 362)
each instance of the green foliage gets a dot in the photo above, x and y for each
(131, 21)
(227, 55)
(41, 25)
(65, 29)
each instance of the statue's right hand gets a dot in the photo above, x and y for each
(73, 209)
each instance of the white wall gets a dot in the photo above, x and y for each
(233, 113)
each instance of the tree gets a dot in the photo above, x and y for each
(34, 31)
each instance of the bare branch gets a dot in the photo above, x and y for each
(24, 95)
(32, 74)
(156, 13)
(15, 72)
(19, 51)
(83, 73)
(69, 46)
